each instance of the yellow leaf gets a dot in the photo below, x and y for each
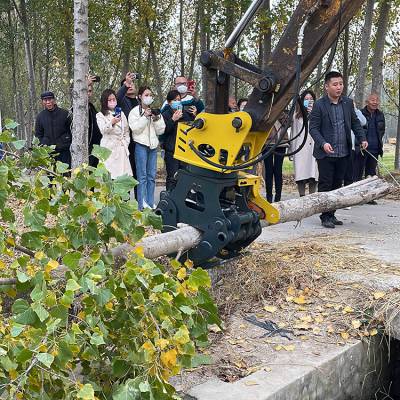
(300, 300)
(168, 358)
(13, 374)
(278, 347)
(302, 326)
(318, 319)
(289, 347)
(347, 309)
(373, 332)
(189, 264)
(10, 240)
(270, 309)
(344, 335)
(251, 383)
(42, 348)
(162, 343)
(52, 264)
(289, 298)
(62, 239)
(291, 291)
(316, 330)
(139, 251)
(356, 323)
(306, 318)
(109, 306)
(2, 264)
(181, 273)
(148, 346)
(379, 295)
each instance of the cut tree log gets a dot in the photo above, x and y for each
(187, 237)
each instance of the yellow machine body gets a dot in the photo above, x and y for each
(229, 146)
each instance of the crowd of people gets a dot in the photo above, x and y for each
(343, 145)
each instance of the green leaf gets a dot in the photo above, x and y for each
(86, 392)
(129, 390)
(72, 285)
(120, 368)
(79, 210)
(19, 144)
(97, 339)
(16, 330)
(199, 278)
(65, 354)
(24, 355)
(149, 218)
(101, 153)
(61, 168)
(10, 124)
(186, 310)
(31, 240)
(123, 185)
(40, 311)
(8, 215)
(22, 277)
(3, 176)
(46, 359)
(19, 306)
(28, 317)
(7, 364)
(107, 214)
(67, 298)
(71, 260)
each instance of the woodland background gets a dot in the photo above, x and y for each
(160, 39)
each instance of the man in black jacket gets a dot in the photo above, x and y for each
(53, 127)
(375, 130)
(331, 121)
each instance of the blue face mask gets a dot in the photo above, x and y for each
(176, 105)
(306, 102)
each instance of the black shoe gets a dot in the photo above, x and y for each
(373, 202)
(335, 221)
(327, 224)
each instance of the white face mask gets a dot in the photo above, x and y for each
(182, 89)
(147, 100)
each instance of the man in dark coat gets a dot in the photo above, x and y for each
(375, 130)
(53, 127)
(331, 121)
(126, 98)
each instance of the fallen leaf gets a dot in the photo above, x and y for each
(278, 348)
(270, 309)
(299, 300)
(316, 330)
(318, 319)
(373, 332)
(301, 326)
(379, 295)
(306, 318)
(289, 347)
(347, 309)
(356, 323)
(291, 291)
(344, 335)
(214, 328)
(251, 383)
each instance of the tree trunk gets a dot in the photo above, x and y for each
(126, 39)
(156, 70)
(181, 38)
(22, 13)
(203, 44)
(377, 60)
(195, 40)
(79, 147)
(317, 86)
(397, 152)
(346, 66)
(267, 36)
(364, 52)
(70, 63)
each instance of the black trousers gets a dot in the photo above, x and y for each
(359, 166)
(273, 172)
(331, 176)
(370, 163)
(172, 166)
(350, 175)
(64, 156)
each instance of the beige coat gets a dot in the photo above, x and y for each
(305, 165)
(115, 138)
(144, 130)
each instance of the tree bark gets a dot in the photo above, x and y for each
(297, 209)
(364, 52)
(203, 44)
(195, 40)
(377, 60)
(346, 66)
(22, 13)
(181, 38)
(79, 146)
(397, 151)
(126, 39)
(267, 36)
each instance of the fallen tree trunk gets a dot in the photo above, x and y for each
(187, 237)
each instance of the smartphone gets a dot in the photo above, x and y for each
(117, 111)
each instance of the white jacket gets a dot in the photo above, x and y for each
(144, 130)
(115, 138)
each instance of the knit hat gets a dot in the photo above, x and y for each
(47, 95)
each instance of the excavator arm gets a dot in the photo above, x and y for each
(214, 191)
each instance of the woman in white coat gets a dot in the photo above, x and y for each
(146, 125)
(305, 165)
(115, 130)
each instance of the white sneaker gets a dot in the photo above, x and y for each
(145, 205)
